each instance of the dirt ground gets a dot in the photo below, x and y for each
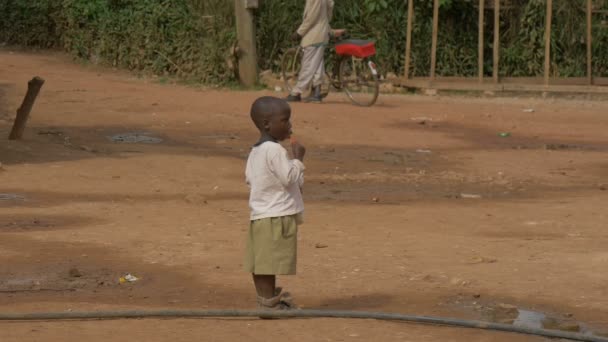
(415, 206)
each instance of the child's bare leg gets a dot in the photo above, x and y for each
(265, 285)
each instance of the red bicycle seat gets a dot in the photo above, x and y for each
(356, 47)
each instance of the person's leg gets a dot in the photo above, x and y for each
(272, 250)
(265, 285)
(317, 80)
(307, 72)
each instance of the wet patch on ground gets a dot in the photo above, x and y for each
(15, 223)
(135, 138)
(11, 197)
(494, 311)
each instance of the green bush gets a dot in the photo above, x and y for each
(29, 23)
(186, 38)
(191, 39)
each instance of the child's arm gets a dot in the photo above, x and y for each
(297, 149)
(288, 171)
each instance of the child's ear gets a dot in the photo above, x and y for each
(266, 124)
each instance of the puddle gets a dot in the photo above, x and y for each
(529, 319)
(539, 320)
(135, 137)
(526, 318)
(11, 197)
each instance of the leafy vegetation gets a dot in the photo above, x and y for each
(191, 39)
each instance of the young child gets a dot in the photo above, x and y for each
(275, 201)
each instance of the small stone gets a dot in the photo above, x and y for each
(482, 260)
(456, 281)
(321, 245)
(430, 92)
(375, 200)
(86, 148)
(470, 196)
(602, 187)
(195, 199)
(75, 273)
(477, 295)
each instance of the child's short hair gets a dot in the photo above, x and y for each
(266, 107)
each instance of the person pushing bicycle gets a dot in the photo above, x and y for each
(314, 34)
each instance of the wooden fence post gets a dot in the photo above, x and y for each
(408, 43)
(548, 41)
(23, 113)
(589, 51)
(247, 54)
(434, 39)
(496, 47)
(480, 40)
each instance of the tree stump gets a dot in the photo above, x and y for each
(23, 113)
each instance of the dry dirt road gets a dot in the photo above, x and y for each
(419, 205)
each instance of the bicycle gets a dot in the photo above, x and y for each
(353, 70)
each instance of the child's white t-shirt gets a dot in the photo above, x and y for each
(275, 182)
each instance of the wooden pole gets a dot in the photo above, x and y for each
(589, 51)
(434, 39)
(496, 48)
(247, 55)
(408, 43)
(548, 41)
(480, 40)
(23, 113)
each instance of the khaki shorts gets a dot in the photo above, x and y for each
(272, 245)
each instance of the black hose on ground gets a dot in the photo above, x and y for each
(46, 316)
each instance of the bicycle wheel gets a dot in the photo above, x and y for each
(359, 79)
(290, 67)
(326, 85)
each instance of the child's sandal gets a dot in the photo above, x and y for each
(281, 301)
